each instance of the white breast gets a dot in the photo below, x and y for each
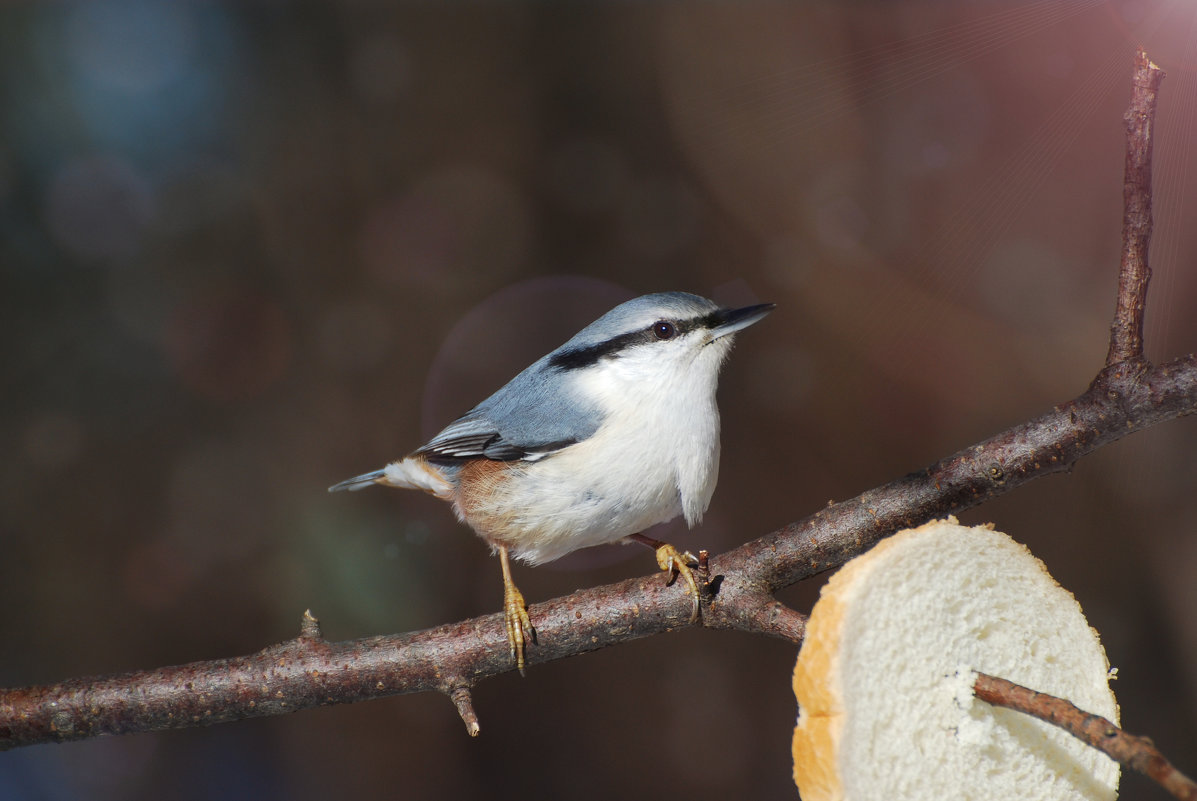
(655, 456)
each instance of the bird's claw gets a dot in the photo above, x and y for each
(677, 563)
(519, 627)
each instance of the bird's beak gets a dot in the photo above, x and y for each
(729, 321)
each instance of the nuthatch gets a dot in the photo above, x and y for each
(611, 433)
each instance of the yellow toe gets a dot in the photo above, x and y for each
(515, 616)
(676, 563)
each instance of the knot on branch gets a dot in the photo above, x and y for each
(309, 627)
(1118, 379)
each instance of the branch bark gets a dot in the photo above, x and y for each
(1127, 395)
(1126, 334)
(1137, 753)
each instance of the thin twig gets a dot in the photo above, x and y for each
(464, 701)
(1126, 333)
(1137, 753)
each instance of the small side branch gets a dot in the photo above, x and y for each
(463, 699)
(1126, 333)
(1137, 753)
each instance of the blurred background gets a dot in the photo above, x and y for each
(251, 249)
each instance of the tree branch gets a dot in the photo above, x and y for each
(1126, 334)
(1127, 395)
(1137, 753)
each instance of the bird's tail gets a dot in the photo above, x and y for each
(410, 473)
(358, 482)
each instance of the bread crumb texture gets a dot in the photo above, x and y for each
(884, 677)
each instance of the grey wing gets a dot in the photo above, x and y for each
(479, 438)
(526, 419)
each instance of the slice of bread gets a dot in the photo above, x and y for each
(884, 677)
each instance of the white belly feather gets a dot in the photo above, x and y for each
(652, 459)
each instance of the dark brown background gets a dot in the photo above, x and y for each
(249, 250)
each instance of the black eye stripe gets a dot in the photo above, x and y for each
(578, 358)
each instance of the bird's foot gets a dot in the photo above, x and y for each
(515, 616)
(680, 563)
(519, 628)
(676, 563)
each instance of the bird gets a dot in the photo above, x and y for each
(609, 434)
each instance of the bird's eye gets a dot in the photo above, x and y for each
(664, 329)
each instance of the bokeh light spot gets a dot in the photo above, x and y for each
(133, 47)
